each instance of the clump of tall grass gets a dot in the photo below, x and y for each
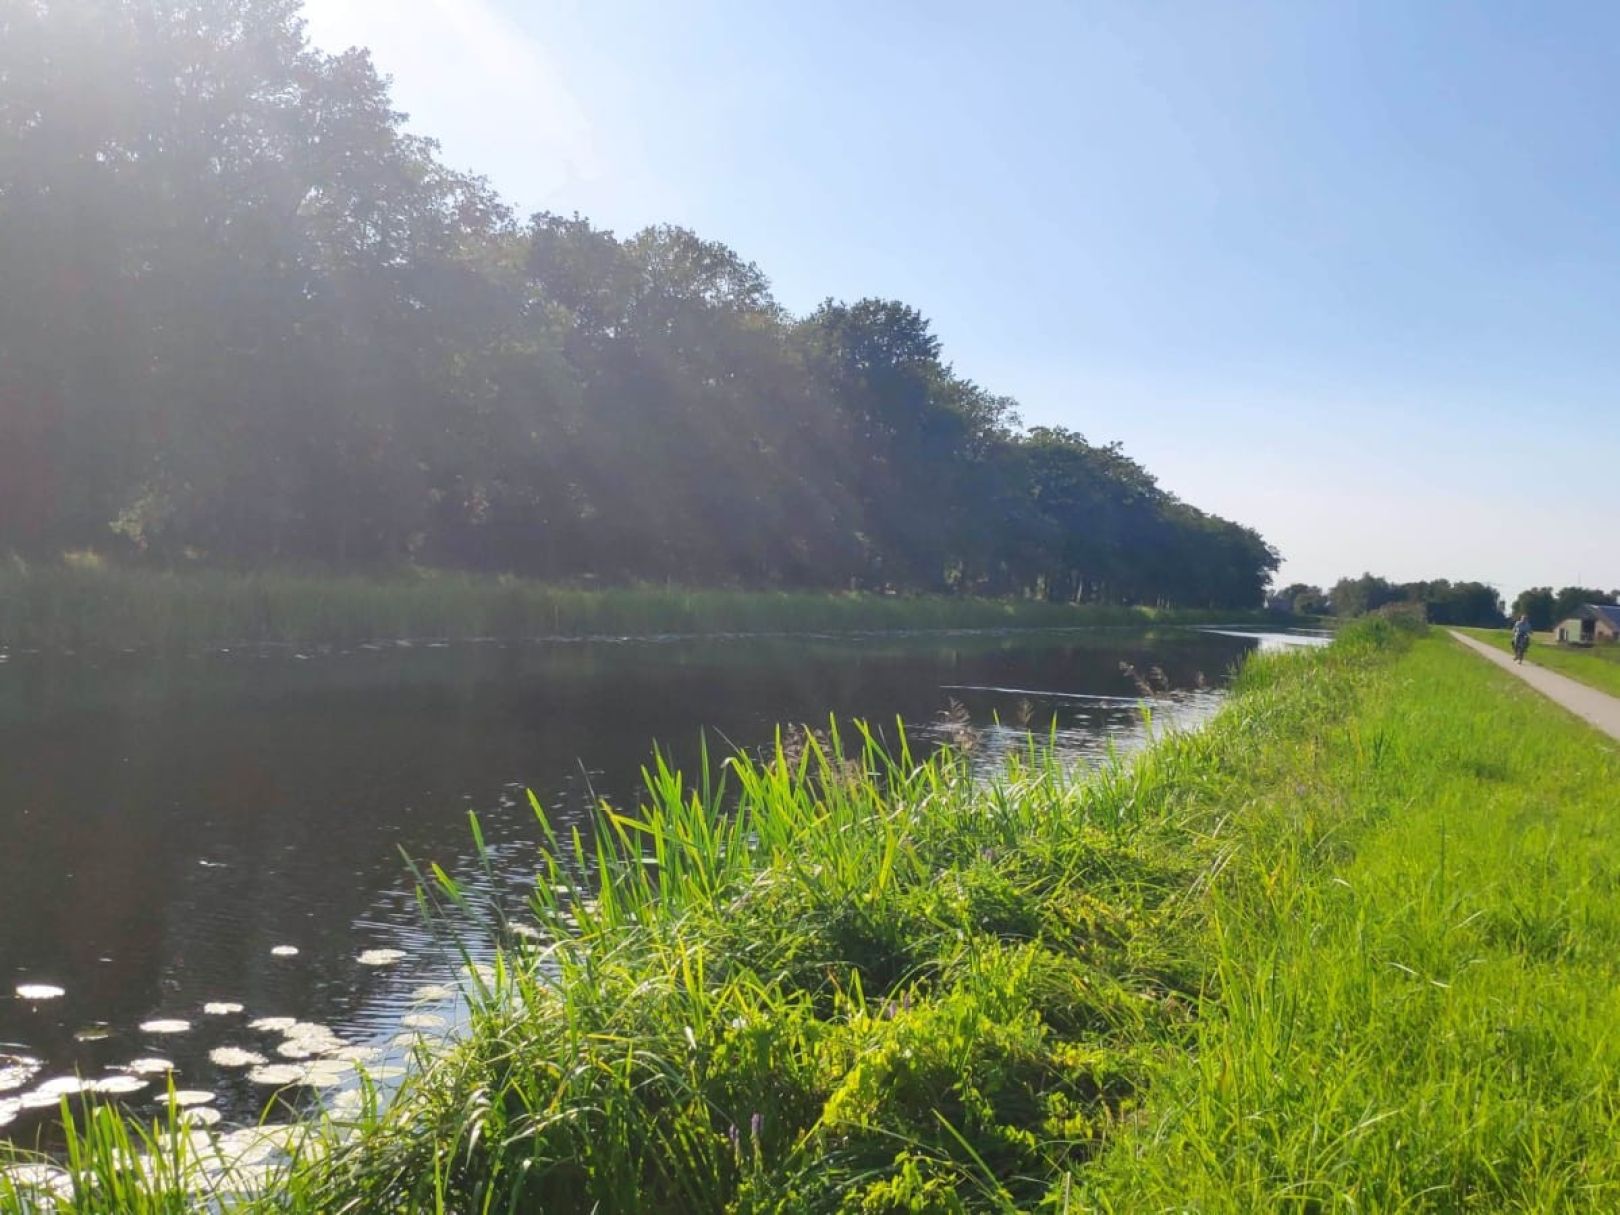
(82, 605)
(841, 971)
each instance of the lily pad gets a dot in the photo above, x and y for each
(16, 1071)
(187, 1097)
(40, 991)
(380, 957)
(274, 1025)
(51, 1092)
(284, 951)
(279, 1075)
(165, 1025)
(221, 1008)
(46, 1178)
(118, 1084)
(235, 1056)
(317, 1077)
(304, 1039)
(252, 1146)
(152, 1066)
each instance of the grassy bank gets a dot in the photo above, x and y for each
(1597, 665)
(1352, 946)
(80, 608)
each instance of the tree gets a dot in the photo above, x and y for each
(249, 318)
(1301, 598)
(1538, 603)
(1358, 596)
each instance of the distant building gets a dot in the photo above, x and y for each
(1594, 624)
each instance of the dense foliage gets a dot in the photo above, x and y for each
(248, 318)
(1443, 601)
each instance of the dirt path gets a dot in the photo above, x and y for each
(1587, 703)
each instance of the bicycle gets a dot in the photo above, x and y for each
(1521, 643)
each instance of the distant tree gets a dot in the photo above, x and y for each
(1443, 601)
(1472, 604)
(1539, 604)
(1302, 598)
(1358, 596)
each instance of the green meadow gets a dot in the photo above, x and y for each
(1351, 947)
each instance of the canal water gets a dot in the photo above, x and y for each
(191, 845)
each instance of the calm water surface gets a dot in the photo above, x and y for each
(166, 822)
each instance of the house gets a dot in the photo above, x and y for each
(1593, 624)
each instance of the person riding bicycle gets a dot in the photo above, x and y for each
(1521, 637)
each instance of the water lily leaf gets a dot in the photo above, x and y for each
(51, 1092)
(118, 1084)
(165, 1026)
(16, 1071)
(152, 1066)
(277, 1074)
(46, 1178)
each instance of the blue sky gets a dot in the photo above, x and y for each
(1347, 272)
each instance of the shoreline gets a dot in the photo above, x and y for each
(116, 608)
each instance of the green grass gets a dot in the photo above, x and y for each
(108, 606)
(1597, 665)
(1352, 947)
(1412, 996)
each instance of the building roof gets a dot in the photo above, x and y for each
(1609, 612)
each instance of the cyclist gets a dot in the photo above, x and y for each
(1521, 637)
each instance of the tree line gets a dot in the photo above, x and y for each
(1475, 604)
(247, 317)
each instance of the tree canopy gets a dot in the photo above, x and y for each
(248, 317)
(1444, 602)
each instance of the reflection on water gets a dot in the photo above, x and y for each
(204, 852)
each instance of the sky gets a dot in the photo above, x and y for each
(1346, 273)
